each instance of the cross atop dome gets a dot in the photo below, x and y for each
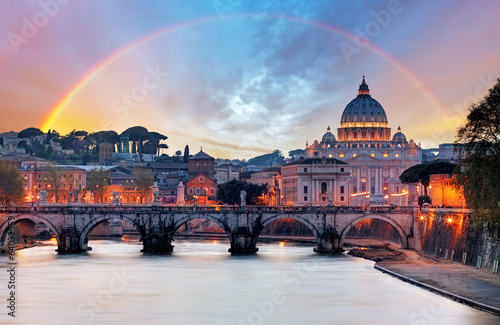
(363, 88)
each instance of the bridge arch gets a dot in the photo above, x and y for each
(87, 230)
(266, 221)
(188, 217)
(402, 234)
(37, 219)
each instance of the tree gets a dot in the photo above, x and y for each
(186, 154)
(229, 192)
(178, 153)
(137, 134)
(53, 183)
(30, 134)
(98, 181)
(154, 139)
(144, 182)
(421, 173)
(478, 145)
(270, 159)
(11, 184)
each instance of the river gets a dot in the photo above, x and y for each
(200, 283)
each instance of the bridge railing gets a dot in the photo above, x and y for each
(109, 208)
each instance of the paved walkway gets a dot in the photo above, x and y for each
(475, 284)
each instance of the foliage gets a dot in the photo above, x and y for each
(424, 199)
(11, 184)
(298, 152)
(138, 135)
(270, 159)
(98, 181)
(143, 184)
(186, 154)
(230, 192)
(478, 144)
(53, 183)
(30, 134)
(422, 172)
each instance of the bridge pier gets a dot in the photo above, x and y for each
(243, 242)
(329, 241)
(158, 242)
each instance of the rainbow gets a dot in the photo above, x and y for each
(61, 105)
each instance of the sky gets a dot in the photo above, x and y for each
(243, 78)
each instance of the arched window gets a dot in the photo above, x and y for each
(323, 188)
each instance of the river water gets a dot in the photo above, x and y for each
(200, 283)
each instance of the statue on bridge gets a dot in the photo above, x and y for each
(156, 194)
(243, 198)
(43, 194)
(115, 197)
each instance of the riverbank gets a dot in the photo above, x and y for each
(17, 247)
(468, 285)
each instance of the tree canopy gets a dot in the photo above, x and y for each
(143, 184)
(98, 181)
(478, 144)
(270, 159)
(422, 172)
(11, 184)
(230, 192)
(30, 134)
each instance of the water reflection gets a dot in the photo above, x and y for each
(200, 283)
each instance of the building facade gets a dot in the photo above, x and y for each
(375, 158)
(201, 187)
(314, 181)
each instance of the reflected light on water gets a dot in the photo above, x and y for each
(201, 283)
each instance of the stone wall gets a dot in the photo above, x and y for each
(452, 236)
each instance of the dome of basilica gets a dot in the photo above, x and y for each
(328, 136)
(363, 110)
(399, 137)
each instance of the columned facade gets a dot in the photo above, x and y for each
(375, 158)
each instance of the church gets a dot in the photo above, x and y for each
(375, 159)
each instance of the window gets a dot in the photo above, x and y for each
(323, 188)
(396, 189)
(305, 198)
(197, 191)
(341, 170)
(342, 189)
(305, 189)
(341, 198)
(353, 155)
(355, 189)
(385, 155)
(190, 191)
(372, 190)
(373, 155)
(305, 170)
(212, 191)
(397, 155)
(330, 155)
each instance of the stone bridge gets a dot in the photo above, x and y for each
(73, 224)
